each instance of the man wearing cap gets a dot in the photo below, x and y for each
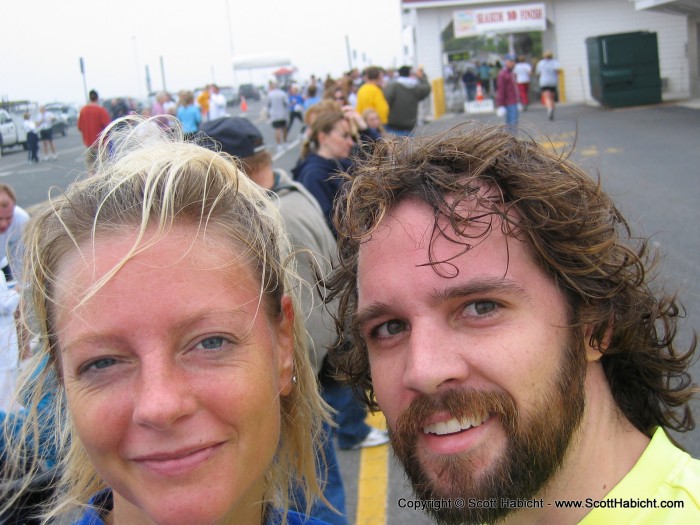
(403, 95)
(507, 96)
(314, 245)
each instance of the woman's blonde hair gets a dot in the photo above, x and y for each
(150, 180)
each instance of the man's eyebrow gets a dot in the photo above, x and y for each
(478, 287)
(370, 312)
(475, 287)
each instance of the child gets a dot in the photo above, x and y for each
(32, 138)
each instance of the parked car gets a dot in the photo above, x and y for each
(67, 112)
(229, 94)
(59, 126)
(249, 91)
(11, 130)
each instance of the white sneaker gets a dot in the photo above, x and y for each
(375, 438)
(54, 156)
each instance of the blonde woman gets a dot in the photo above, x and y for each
(166, 309)
(374, 122)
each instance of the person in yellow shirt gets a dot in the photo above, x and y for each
(203, 103)
(371, 96)
(495, 305)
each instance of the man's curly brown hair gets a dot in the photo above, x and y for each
(571, 227)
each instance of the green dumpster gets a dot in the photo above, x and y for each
(624, 69)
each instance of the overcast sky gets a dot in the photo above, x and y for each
(42, 41)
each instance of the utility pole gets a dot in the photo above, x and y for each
(82, 72)
(162, 73)
(347, 47)
(148, 81)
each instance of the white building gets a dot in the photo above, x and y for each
(568, 23)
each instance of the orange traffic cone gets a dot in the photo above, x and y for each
(479, 92)
(244, 105)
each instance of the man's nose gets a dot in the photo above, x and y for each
(435, 359)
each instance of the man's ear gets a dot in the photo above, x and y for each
(594, 353)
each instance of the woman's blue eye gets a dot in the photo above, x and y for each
(212, 343)
(99, 364)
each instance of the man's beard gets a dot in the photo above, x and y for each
(534, 450)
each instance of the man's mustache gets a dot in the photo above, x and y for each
(461, 404)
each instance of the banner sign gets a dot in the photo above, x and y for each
(513, 19)
(479, 106)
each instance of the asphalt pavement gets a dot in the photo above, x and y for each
(647, 158)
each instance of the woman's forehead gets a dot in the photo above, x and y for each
(101, 256)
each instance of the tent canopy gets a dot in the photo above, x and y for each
(256, 62)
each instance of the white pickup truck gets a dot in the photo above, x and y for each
(11, 130)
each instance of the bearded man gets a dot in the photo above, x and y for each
(496, 308)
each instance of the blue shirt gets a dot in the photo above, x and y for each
(102, 503)
(296, 103)
(191, 118)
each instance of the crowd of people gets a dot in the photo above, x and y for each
(509, 84)
(393, 94)
(209, 329)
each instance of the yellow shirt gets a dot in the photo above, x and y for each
(371, 96)
(664, 474)
(203, 102)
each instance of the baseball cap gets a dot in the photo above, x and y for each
(238, 136)
(510, 56)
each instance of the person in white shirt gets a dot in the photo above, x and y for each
(32, 138)
(45, 125)
(523, 71)
(9, 348)
(12, 221)
(548, 72)
(217, 103)
(277, 104)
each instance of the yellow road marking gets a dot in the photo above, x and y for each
(555, 145)
(372, 484)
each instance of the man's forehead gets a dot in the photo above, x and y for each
(419, 220)
(439, 238)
